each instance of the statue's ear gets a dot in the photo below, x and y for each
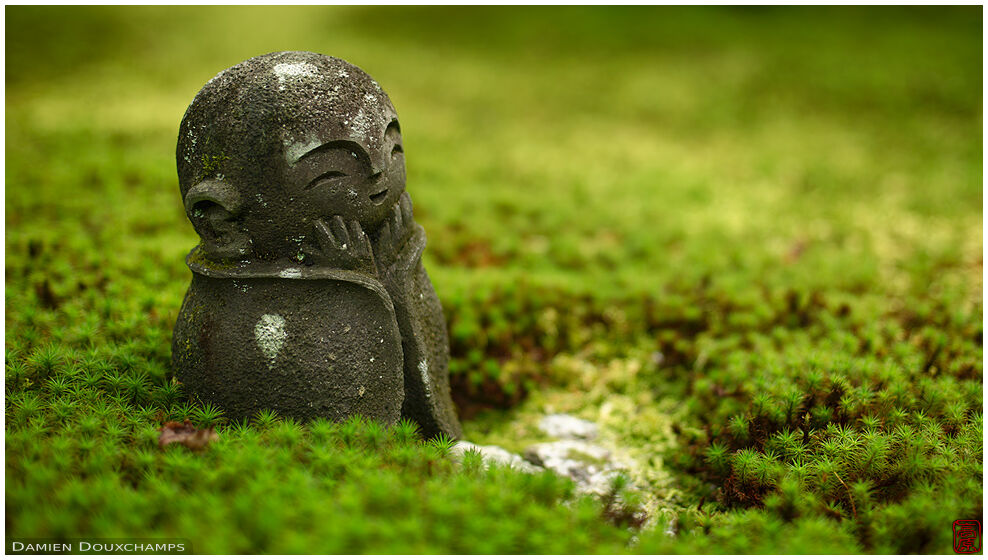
(214, 207)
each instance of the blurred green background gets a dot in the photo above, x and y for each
(684, 208)
(623, 144)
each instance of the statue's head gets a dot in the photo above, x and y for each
(278, 141)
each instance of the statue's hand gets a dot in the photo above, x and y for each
(345, 246)
(395, 233)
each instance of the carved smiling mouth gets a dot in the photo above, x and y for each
(379, 197)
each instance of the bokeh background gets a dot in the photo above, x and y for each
(657, 218)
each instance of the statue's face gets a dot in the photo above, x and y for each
(353, 179)
(274, 144)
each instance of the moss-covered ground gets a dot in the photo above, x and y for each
(746, 242)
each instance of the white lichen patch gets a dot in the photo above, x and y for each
(190, 147)
(426, 382)
(294, 150)
(361, 126)
(242, 287)
(291, 273)
(287, 71)
(270, 335)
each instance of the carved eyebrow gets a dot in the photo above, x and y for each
(393, 125)
(327, 175)
(354, 147)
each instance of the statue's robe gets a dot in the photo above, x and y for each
(305, 342)
(313, 341)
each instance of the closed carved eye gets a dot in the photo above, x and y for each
(394, 131)
(325, 176)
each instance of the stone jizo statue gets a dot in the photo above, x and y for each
(308, 294)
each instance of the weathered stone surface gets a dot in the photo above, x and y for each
(564, 426)
(493, 454)
(308, 294)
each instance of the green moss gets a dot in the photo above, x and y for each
(212, 164)
(198, 257)
(767, 293)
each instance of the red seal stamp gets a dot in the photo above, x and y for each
(967, 536)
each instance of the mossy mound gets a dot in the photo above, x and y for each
(746, 242)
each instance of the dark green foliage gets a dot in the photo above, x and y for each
(771, 214)
(807, 426)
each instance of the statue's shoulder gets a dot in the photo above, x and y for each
(199, 263)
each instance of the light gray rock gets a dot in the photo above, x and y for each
(564, 426)
(493, 454)
(590, 466)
